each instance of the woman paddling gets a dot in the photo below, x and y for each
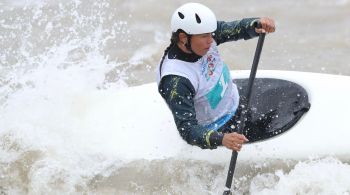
(195, 82)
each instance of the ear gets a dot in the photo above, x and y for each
(182, 38)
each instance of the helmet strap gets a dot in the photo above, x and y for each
(188, 44)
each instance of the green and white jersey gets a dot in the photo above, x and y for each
(215, 93)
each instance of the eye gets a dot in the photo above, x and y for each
(181, 15)
(206, 35)
(198, 19)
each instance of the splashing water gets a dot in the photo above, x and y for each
(58, 136)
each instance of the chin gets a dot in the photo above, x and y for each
(202, 53)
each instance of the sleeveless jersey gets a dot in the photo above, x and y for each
(216, 96)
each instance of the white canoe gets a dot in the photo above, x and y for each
(142, 125)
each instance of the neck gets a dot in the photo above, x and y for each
(183, 48)
(177, 53)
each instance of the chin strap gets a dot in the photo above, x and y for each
(188, 44)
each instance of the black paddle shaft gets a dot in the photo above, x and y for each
(245, 109)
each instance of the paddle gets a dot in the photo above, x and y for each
(245, 109)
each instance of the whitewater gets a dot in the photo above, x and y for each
(80, 113)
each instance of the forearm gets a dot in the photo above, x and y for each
(199, 136)
(235, 30)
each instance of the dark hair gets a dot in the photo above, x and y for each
(174, 40)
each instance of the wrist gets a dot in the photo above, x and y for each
(216, 138)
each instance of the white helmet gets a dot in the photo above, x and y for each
(193, 18)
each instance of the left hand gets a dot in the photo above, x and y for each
(267, 25)
(234, 141)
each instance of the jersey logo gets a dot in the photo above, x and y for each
(208, 66)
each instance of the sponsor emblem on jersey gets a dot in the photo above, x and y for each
(208, 66)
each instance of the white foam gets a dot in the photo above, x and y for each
(67, 116)
(316, 176)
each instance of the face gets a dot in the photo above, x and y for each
(201, 43)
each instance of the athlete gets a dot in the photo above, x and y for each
(196, 83)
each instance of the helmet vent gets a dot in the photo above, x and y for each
(181, 15)
(198, 19)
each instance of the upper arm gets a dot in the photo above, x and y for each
(178, 93)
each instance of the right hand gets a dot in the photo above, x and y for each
(234, 141)
(267, 25)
